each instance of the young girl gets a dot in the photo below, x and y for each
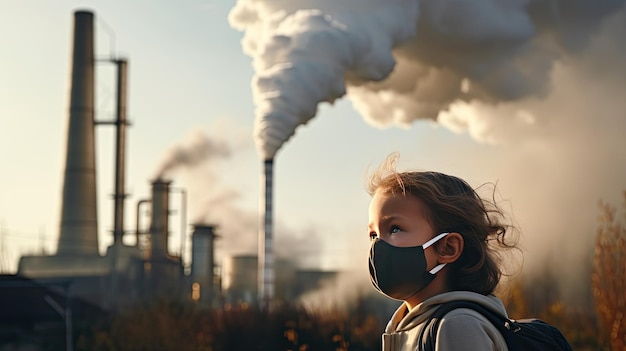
(433, 242)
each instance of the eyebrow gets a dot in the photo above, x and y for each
(386, 219)
(390, 218)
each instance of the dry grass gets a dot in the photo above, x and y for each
(609, 275)
(168, 325)
(579, 326)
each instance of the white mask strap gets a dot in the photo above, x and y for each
(434, 240)
(436, 269)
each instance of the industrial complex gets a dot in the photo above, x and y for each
(147, 270)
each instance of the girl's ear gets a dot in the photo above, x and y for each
(450, 248)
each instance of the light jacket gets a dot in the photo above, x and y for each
(460, 330)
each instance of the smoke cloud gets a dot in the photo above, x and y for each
(301, 57)
(193, 151)
(402, 60)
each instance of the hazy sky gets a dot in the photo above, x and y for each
(553, 155)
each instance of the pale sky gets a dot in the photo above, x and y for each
(553, 158)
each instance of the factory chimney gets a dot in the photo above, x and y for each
(159, 226)
(79, 224)
(266, 256)
(120, 151)
(203, 263)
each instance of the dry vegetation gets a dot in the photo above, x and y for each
(173, 326)
(609, 275)
(579, 326)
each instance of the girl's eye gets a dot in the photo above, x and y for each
(395, 229)
(373, 235)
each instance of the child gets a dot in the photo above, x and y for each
(432, 242)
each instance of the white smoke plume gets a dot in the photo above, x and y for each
(302, 56)
(403, 60)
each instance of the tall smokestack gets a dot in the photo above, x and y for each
(120, 151)
(79, 223)
(266, 257)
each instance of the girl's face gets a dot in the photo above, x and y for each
(399, 220)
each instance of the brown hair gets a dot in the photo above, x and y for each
(454, 206)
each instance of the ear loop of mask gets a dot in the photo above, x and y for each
(429, 243)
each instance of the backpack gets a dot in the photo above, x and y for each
(525, 334)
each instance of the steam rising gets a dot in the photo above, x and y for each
(402, 60)
(302, 58)
(196, 149)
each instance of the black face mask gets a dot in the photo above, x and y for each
(401, 272)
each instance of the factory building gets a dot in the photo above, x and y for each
(240, 279)
(146, 270)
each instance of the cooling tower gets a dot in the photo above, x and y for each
(239, 278)
(159, 225)
(79, 233)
